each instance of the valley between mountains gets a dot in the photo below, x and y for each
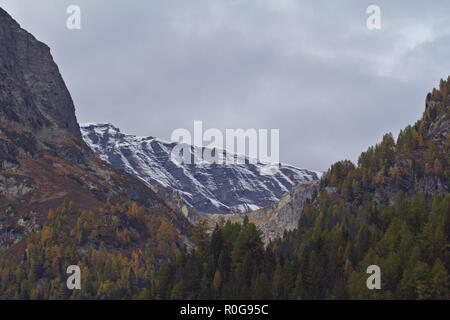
(140, 226)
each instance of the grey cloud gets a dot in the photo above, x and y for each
(310, 68)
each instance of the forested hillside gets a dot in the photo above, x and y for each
(118, 249)
(391, 210)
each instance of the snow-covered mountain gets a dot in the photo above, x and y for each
(208, 188)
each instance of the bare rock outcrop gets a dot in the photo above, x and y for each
(275, 219)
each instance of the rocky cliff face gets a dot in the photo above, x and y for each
(33, 95)
(43, 159)
(272, 220)
(208, 188)
(36, 110)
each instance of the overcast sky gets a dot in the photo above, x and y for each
(309, 68)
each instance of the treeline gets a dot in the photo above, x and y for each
(118, 249)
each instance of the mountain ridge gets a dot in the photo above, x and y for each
(208, 188)
(43, 159)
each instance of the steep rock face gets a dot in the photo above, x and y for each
(208, 188)
(275, 219)
(43, 159)
(33, 95)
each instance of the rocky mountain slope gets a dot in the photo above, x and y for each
(208, 188)
(418, 161)
(43, 159)
(33, 95)
(273, 220)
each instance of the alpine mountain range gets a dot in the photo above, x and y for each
(207, 187)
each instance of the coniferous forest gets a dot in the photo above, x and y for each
(141, 241)
(372, 213)
(375, 213)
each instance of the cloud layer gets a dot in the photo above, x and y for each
(310, 68)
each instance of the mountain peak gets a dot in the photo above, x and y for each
(210, 188)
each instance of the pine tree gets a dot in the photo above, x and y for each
(439, 281)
